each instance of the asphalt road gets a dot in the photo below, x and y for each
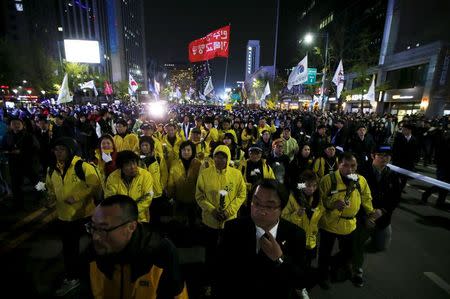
(416, 266)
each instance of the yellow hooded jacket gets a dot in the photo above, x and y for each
(267, 172)
(61, 188)
(337, 222)
(140, 189)
(210, 182)
(310, 226)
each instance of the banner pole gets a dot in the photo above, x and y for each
(226, 65)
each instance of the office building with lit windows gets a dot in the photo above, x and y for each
(252, 57)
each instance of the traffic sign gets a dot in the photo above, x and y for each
(312, 73)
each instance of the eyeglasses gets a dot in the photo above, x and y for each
(102, 232)
(263, 207)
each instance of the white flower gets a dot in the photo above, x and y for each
(277, 163)
(164, 144)
(257, 170)
(301, 186)
(223, 193)
(353, 177)
(151, 193)
(142, 156)
(40, 186)
(232, 163)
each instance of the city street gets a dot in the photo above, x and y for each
(416, 266)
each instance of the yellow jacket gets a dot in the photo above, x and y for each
(212, 136)
(231, 131)
(171, 152)
(247, 139)
(130, 142)
(181, 185)
(202, 150)
(310, 226)
(140, 189)
(158, 170)
(343, 223)
(321, 167)
(210, 182)
(272, 129)
(61, 188)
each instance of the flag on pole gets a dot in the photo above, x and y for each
(265, 94)
(215, 44)
(107, 88)
(178, 93)
(209, 87)
(244, 92)
(157, 87)
(299, 73)
(132, 85)
(64, 95)
(338, 79)
(370, 95)
(89, 85)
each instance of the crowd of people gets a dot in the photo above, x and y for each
(268, 190)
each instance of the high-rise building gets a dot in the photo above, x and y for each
(126, 37)
(252, 57)
(84, 20)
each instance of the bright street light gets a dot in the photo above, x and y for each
(43, 92)
(309, 38)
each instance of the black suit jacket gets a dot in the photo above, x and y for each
(242, 273)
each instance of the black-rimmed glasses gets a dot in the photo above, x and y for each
(102, 232)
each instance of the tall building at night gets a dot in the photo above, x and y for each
(252, 57)
(85, 20)
(126, 37)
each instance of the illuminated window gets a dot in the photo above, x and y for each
(19, 6)
(326, 21)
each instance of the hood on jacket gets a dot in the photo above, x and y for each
(224, 149)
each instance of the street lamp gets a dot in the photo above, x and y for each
(309, 38)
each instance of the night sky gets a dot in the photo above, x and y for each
(171, 25)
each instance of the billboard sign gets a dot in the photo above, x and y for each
(83, 51)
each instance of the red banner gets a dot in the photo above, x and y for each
(213, 45)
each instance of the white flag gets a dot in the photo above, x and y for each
(89, 85)
(370, 95)
(266, 92)
(157, 87)
(209, 87)
(132, 84)
(299, 73)
(338, 79)
(201, 96)
(64, 92)
(178, 93)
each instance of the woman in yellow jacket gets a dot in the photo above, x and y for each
(105, 157)
(249, 135)
(74, 185)
(171, 144)
(131, 180)
(182, 183)
(305, 209)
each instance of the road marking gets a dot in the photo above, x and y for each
(439, 281)
(29, 218)
(26, 235)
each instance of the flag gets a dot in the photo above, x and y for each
(215, 44)
(244, 92)
(209, 87)
(265, 93)
(132, 84)
(299, 73)
(338, 79)
(157, 86)
(107, 88)
(64, 95)
(178, 93)
(370, 95)
(201, 96)
(89, 85)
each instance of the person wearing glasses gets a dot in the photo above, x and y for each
(261, 256)
(126, 258)
(74, 197)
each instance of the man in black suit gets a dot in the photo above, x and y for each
(186, 127)
(261, 256)
(339, 134)
(405, 151)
